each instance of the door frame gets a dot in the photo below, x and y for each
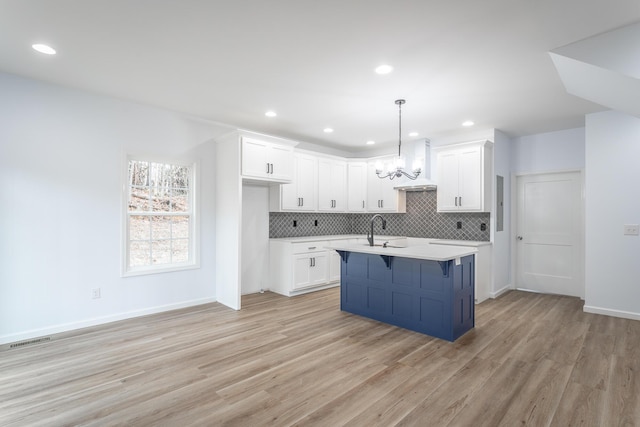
(514, 225)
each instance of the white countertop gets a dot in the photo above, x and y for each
(382, 238)
(428, 252)
(334, 237)
(473, 243)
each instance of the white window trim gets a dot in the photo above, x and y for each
(194, 247)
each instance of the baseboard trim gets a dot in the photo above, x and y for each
(499, 292)
(610, 312)
(67, 327)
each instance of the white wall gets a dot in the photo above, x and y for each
(549, 152)
(501, 248)
(255, 238)
(61, 162)
(612, 200)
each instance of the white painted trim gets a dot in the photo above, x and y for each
(66, 327)
(499, 292)
(194, 213)
(610, 312)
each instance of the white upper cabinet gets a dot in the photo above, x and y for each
(300, 194)
(464, 177)
(332, 185)
(357, 187)
(381, 196)
(266, 161)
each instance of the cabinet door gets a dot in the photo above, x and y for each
(357, 187)
(306, 179)
(319, 270)
(388, 195)
(300, 194)
(281, 159)
(470, 179)
(447, 195)
(310, 269)
(254, 158)
(374, 189)
(381, 196)
(325, 190)
(289, 199)
(339, 184)
(301, 271)
(332, 177)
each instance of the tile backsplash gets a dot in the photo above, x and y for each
(421, 220)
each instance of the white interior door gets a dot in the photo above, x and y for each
(549, 233)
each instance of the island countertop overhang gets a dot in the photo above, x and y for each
(427, 252)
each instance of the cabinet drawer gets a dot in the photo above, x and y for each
(302, 247)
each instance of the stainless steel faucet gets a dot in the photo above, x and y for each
(384, 227)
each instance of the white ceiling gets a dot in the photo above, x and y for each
(312, 61)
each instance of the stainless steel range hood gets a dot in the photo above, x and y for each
(422, 153)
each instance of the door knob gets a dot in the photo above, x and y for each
(519, 237)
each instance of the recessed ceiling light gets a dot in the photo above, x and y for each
(468, 123)
(43, 48)
(384, 69)
(370, 142)
(270, 114)
(414, 134)
(328, 130)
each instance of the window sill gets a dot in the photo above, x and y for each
(143, 271)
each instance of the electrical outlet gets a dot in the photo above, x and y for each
(95, 293)
(631, 229)
(459, 225)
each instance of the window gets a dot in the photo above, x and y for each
(159, 217)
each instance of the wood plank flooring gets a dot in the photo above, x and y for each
(533, 359)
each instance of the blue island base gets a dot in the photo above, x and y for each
(432, 297)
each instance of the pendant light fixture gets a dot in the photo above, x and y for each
(396, 169)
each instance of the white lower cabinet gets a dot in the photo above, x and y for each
(310, 269)
(297, 267)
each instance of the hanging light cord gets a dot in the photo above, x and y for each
(400, 102)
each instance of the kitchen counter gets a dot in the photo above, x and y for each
(473, 243)
(425, 288)
(333, 237)
(433, 252)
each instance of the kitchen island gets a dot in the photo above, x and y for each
(424, 288)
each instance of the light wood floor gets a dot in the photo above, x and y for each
(532, 359)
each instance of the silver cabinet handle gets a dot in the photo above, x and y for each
(363, 204)
(456, 200)
(267, 167)
(460, 200)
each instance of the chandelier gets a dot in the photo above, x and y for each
(396, 168)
